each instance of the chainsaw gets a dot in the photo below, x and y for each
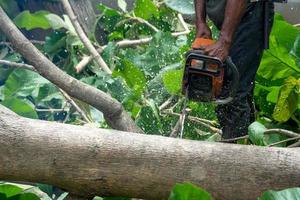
(207, 79)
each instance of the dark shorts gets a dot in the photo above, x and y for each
(246, 52)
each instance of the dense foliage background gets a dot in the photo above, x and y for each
(146, 76)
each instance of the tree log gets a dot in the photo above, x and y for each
(89, 161)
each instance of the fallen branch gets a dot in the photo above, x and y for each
(113, 110)
(88, 161)
(85, 40)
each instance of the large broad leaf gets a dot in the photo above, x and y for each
(285, 33)
(172, 81)
(288, 194)
(288, 100)
(133, 76)
(189, 191)
(182, 6)
(256, 133)
(31, 21)
(277, 63)
(23, 83)
(145, 9)
(20, 106)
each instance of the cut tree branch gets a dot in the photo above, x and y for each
(113, 111)
(89, 161)
(85, 40)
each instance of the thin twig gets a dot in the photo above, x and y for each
(235, 139)
(142, 21)
(297, 144)
(283, 132)
(130, 43)
(206, 123)
(32, 41)
(166, 103)
(17, 65)
(175, 130)
(85, 40)
(72, 102)
(51, 110)
(296, 25)
(192, 118)
(83, 63)
(284, 141)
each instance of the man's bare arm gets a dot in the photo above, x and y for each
(202, 30)
(233, 15)
(235, 10)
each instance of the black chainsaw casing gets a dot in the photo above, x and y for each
(205, 77)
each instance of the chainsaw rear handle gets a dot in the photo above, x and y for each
(235, 82)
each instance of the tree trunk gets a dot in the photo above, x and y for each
(89, 161)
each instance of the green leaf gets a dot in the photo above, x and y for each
(31, 21)
(56, 22)
(23, 83)
(25, 196)
(146, 9)
(10, 190)
(172, 81)
(256, 133)
(288, 100)
(182, 6)
(133, 76)
(288, 194)
(21, 107)
(277, 63)
(148, 121)
(285, 32)
(188, 191)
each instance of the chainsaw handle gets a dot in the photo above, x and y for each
(199, 43)
(235, 81)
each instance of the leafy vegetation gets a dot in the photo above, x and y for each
(146, 76)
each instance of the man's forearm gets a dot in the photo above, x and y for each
(233, 15)
(200, 11)
(202, 30)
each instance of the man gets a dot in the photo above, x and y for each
(241, 25)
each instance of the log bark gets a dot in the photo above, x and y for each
(113, 111)
(88, 161)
